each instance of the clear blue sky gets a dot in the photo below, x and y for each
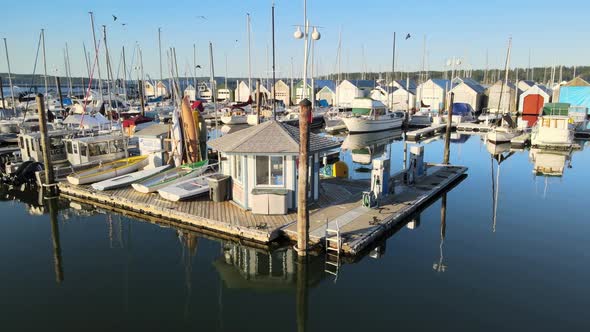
(553, 33)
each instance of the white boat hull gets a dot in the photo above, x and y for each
(128, 179)
(234, 119)
(167, 178)
(499, 137)
(363, 125)
(87, 176)
(185, 189)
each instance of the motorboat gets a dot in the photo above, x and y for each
(333, 121)
(370, 115)
(553, 130)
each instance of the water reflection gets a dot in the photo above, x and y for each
(550, 163)
(360, 150)
(498, 153)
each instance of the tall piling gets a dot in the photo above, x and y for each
(45, 146)
(302, 181)
(447, 153)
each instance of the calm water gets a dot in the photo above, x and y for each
(526, 270)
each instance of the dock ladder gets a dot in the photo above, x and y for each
(333, 248)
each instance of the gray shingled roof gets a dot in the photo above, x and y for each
(269, 137)
(154, 130)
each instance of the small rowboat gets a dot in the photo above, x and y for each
(108, 170)
(164, 179)
(185, 189)
(128, 179)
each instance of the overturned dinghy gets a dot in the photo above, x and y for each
(128, 179)
(108, 170)
(185, 189)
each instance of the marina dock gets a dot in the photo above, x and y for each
(474, 127)
(416, 135)
(340, 202)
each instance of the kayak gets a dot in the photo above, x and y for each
(128, 179)
(185, 189)
(169, 177)
(108, 170)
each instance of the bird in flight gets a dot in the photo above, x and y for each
(202, 17)
(408, 36)
(114, 18)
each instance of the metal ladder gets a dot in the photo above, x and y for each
(333, 248)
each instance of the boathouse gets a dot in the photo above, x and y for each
(326, 93)
(348, 90)
(148, 89)
(242, 92)
(575, 92)
(468, 91)
(262, 161)
(502, 97)
(531, 103)
(283, 92)
(431, 94)
(524, 85)
(191, 92)
(161, 89)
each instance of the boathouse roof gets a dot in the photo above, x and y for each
(155, 130)
(270, 137)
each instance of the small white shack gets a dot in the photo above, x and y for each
(262, 161)
(468, 91)
(502, 97)
(151, 140)
(348, 90)
(283, 92)
(431, 94)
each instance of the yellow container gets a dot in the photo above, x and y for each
(340, 169)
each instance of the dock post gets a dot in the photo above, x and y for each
(61, 99)
(2, 94)
(141, 101)
(302, 211)
(258, 99)
(57, 263)
(49, 182)
(302, 293)
(447, 154)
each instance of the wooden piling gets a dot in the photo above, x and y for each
(49, 182)
(61, 99)
(258, 99)
(141, 99)
(447, 153)
(2, 94)
(57, 258)
(302, 210)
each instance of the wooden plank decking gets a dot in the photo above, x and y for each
(361, 226)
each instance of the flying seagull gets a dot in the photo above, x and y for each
(408, 36)
(202, 17)
(114, 18)
(198, 67)
(123, 24)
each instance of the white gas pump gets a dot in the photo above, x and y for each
(379, 182)
(416, 168)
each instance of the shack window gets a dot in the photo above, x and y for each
(237, 170)
(270, 170)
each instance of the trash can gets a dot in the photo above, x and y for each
(219, 187)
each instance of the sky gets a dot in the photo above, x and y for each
(464, 29)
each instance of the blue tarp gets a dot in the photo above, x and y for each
(67, 101)
(323, 103)
(155, 100)
(575, 95)
(462, 109)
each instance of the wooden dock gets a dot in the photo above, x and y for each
(361, 226)
(340, 201)
(471, 127)
(521, 140)
(416, 135)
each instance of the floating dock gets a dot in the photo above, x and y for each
(521, 140)
(474, 127)
(416, 135)
(340, 202)
(361, 226)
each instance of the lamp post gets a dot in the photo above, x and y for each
(299, 34)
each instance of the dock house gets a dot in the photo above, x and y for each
(431, 94)
(468, 91)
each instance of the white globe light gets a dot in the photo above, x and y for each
(315, 34)
(298, 34)
(449, 63)
(458, 62)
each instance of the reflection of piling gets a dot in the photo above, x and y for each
(302, 211)
(447, 154)
(57, 263)
(45, 146)
(302, 293)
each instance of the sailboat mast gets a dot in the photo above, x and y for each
(10, 76)
(44, 68)
(160, 55)
(124, 75)
(109, 74)
(96, 52)
(392, 70)
(212, 81)
(274, 113)
(195, 70)
(249, 58)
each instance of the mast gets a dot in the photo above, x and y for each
(291, 92)
(392, 70)
(44, 69)
(339, 61)
(10, 76)
(160, 53)
(249, 58)
(96, 52)
(506, 67)
(68, 69)
(109, 76)
(212, 81)
(274, 113)
(195, 70)
(124, 75)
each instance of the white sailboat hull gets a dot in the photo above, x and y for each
(185, 189)
(498, 137)
(364, 125)
(128, 179)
